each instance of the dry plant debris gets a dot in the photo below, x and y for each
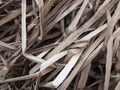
(59, 44)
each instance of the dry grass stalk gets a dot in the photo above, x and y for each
(109, 58)
(12, 15)
(59, 44)
(69, 40)
(112, 23)
(74, 22)
(60, 78)
(24, 37)
(118, 86)
(83, 79)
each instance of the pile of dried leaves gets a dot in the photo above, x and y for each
(59, 44)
